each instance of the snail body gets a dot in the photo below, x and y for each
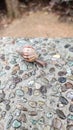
(30, 55)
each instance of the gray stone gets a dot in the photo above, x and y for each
(69, 127)
(63, 100)
(19, 92)
(56, 123)
(7, 107)
(60, 114)
(16, 124)
(71, 108)
(9, 121)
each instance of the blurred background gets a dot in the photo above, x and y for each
(36, 18)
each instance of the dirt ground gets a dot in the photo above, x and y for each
(38, 24)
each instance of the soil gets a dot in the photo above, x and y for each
(38, 24)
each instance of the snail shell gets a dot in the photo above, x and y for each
(29, 53)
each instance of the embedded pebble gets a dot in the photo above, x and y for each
(63, 88)
(63, 100)
(62, 73)
(11, 95)
(51, 70)
(7, 107)
(71, 49)
(14, 72)
(69, 95)
(25, 89)
(13, 61)
(6, 101)
(23, 128)
(68, 85)
(56, 56)
(49, 115)
(19, 92)
(16, 68)
(43, 89)
(21, 107)
(21, 72)
(56, 123)
(32, 113)
(62, 79)
(17, 79)
(7, 67)
(70, 77)
(41, 121)
(70, 63)
(2, 94)
(41, 103)
(33, 121)
(69, 127)
(9, 121)
(12, 86)
(23, 118)
(67, 46)
(36, 92)
(3, 114)
(17, 112)
(60, 114)
(37, 85)
(23, 99)
(16, 124)
(71, 108)
(47, 127)
(60, 105)
(70, 117)
(1, 100)
(2, 57)
(30, 83)
(30, 91)
(33, 104)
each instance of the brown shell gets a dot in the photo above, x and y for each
(29, 53)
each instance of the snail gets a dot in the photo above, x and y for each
(30, 55)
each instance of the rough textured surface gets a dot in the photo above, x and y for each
(34, 97)
(39, 24)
